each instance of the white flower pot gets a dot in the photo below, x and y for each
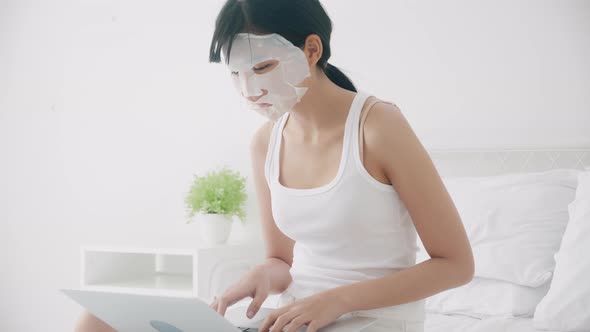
(214, 228)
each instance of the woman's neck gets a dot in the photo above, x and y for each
(322, 111)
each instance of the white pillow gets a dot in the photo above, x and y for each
(567, 304)
(514, 222)
(482, 298)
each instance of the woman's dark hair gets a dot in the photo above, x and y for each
(292, 19)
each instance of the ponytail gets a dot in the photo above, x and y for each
(337, 76)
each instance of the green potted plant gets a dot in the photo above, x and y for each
(216, 198)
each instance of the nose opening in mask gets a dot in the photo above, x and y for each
(248, 87)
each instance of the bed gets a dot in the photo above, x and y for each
(458, 163)
(460, 323)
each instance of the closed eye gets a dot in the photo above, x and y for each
(255, 69)
(259, 69)
(263, 67)
(270, 65)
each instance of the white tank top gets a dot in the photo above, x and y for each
(354, 228)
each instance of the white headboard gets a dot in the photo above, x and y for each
(482, 162)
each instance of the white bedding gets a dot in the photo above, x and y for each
(457, 323)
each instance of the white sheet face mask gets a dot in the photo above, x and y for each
(269, 66)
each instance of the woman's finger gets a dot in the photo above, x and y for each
(281, 315)
(213, 304)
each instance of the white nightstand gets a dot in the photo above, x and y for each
(202, 271)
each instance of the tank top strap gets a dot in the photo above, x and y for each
(277, 139)
(356, 144)
(272, 147)
(353, 131)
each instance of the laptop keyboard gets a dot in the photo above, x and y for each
(247, 329)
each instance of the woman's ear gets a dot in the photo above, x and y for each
(313, 49)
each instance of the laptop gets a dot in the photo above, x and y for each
(127, 312)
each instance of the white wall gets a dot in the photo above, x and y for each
(107, 108)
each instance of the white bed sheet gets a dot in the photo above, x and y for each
(459, 323)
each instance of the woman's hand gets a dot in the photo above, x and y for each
(315, 311)
(255, 284)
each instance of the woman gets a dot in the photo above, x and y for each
(343, 192)
(336, 184)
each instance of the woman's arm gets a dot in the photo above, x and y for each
(436, 219)
(279, 247)
(279, 274)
